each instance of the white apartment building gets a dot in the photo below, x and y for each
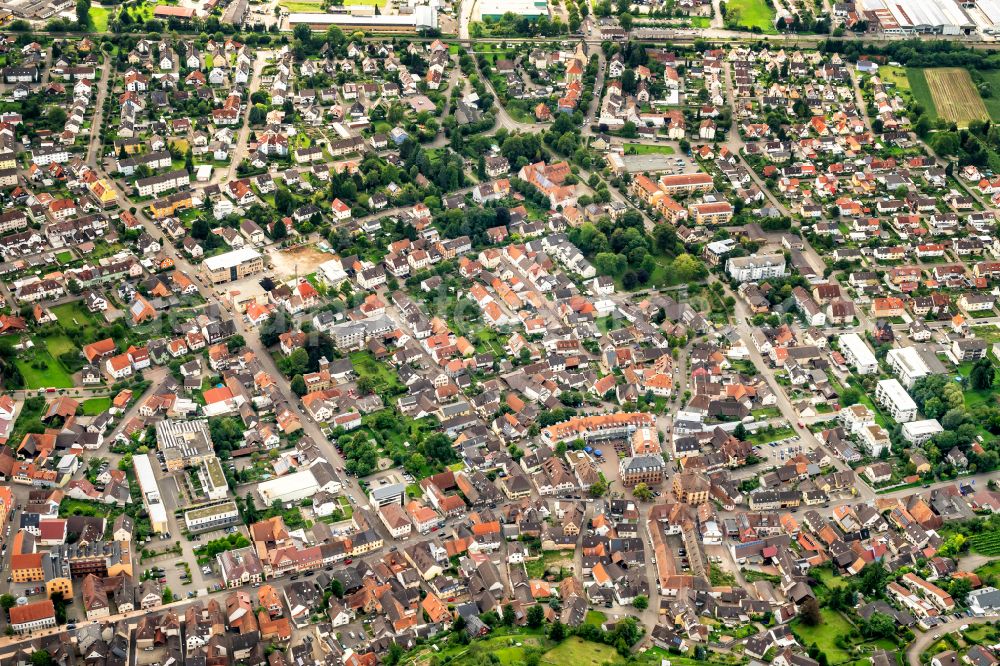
(855, 418)
(891, 395)
(756, 267)
(858, 354)
(907, 365)
(918, 432)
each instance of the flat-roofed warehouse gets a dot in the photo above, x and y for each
(495, 9)
(905, 17)
(422, 18)
(985, 14)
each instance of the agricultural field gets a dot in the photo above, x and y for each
(921, 91)
(986, 543)
(955, 96)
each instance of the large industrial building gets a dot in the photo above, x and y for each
(494, 9)
(908, 17)
(422, 18)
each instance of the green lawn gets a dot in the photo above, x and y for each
(41, 370)
(64, 257)
(305, 7)
(825, 576)
(754, 14)
(56, 344)
(768, 436)
(95, 406)
(575, 651)
(921, 91)
(646, 149)
(894, 75)
(701, 22)
(596, 618)
(99, 18)
(384, 376)
(825, 634)
(75, 316)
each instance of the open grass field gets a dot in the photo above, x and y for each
(894, 75)
(646, 149)
(56, 344)
(575, 651)
(377, 3)
(754, 14)
(302, 6)
(75, 316)
(825, 634)
(921, 91)
(992, 103)
(41, 370)
(99, 18)
(95, 406)
(955, 96)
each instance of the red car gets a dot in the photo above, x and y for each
(348, 561)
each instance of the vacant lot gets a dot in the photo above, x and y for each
(955, 96)
(300, 260)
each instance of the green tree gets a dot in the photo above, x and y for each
(41, 658)
(598, 488)
(642, 492)
(7, 601)
(641, 602)
(982, 375)
(558, 632)
(299, 385)
(536, 616)
(809, 613)
(279, 231)
(83, 13)
(508, 615)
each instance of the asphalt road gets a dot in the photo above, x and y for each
(926, 639)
